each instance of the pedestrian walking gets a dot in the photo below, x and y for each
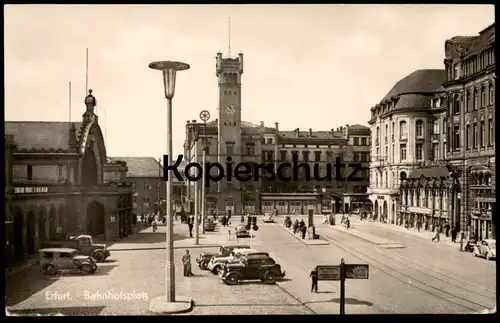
(453, 234)
(419, 225)
(295, 226)
(303, 230)
(186, 262)
(190, 226)
(462, 240)
(314, 280)
(436, 237)
(447, 229)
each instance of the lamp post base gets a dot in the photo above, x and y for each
(160, 305)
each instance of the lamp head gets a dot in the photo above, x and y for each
(169, 70)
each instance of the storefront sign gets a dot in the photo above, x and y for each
(356, 271)
(380, 197)
(31, 190)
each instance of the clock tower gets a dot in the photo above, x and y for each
(229, 71)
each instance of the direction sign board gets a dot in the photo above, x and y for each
(328, 272)
(353, 271)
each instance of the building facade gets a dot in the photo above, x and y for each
(145, 174)
(55, 184)
(400, 127)
(456, 183)
(243, 141)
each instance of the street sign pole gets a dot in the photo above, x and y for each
(342, 287)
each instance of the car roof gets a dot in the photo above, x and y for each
(59, 250)
(237, 246)
(252, 251)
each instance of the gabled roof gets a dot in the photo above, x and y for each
(41, 135)
(143, 166)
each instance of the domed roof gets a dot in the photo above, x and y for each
(418, 82)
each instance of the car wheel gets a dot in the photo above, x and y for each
(86, 269)
(98, 256)
(270, 278)
(232, 279)
(216, 269)
(487, 256)
(203, 265)
(49, 270)
(474, 253)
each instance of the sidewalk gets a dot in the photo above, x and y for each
(317, 242)
(31, 261)
(381, 242)
(149, 240)
(414, 232)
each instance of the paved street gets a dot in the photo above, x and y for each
(422, 277)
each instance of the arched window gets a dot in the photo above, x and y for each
(456, 104)
(402, 176)
(386, 179)
(386, 133)
(403, 131)
(475, 103)
(419, 128)
(467, 102)
(377, 135)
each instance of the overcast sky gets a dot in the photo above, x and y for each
(306, 66)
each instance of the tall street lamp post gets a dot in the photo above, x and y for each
(204, 116)
(196, 190)
(168, 302)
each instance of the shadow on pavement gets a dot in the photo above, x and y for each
(352, 301)
(66, 311)
(24, 284)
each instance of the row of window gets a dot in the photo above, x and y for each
(426, 199)
(475, 135)
(268, 155)
(385, 183)
(403, 131)
(471, 102)
(360, 141)
(472, 65)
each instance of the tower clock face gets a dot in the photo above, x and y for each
(230, 109)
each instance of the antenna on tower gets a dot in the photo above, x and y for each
(229, 29)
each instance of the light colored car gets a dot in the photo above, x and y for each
(216, 263)
(486, 248)
(241, 231)
(268, 218)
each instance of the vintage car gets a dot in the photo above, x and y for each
(224, 251)
(485, 248)
(251, 268)
(241, 231)
(84, 244)
(204, 258)
(54, 260)
(268, 218)
(216, 263)
(210, 225)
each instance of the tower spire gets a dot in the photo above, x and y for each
(229, 30)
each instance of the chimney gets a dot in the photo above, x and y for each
(193, 121)
(187, 121)
(297, 132)
(262, 124)
(310, 132)
(277, 126)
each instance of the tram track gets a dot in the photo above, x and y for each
(411, 280)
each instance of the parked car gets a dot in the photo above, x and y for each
(241, 231)
(485, 248)
(53, 260)
(204, 258)
(216, 263)
(251, 268)
(210, 225)
(226, 250)
(84, 244)
(268, 218)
